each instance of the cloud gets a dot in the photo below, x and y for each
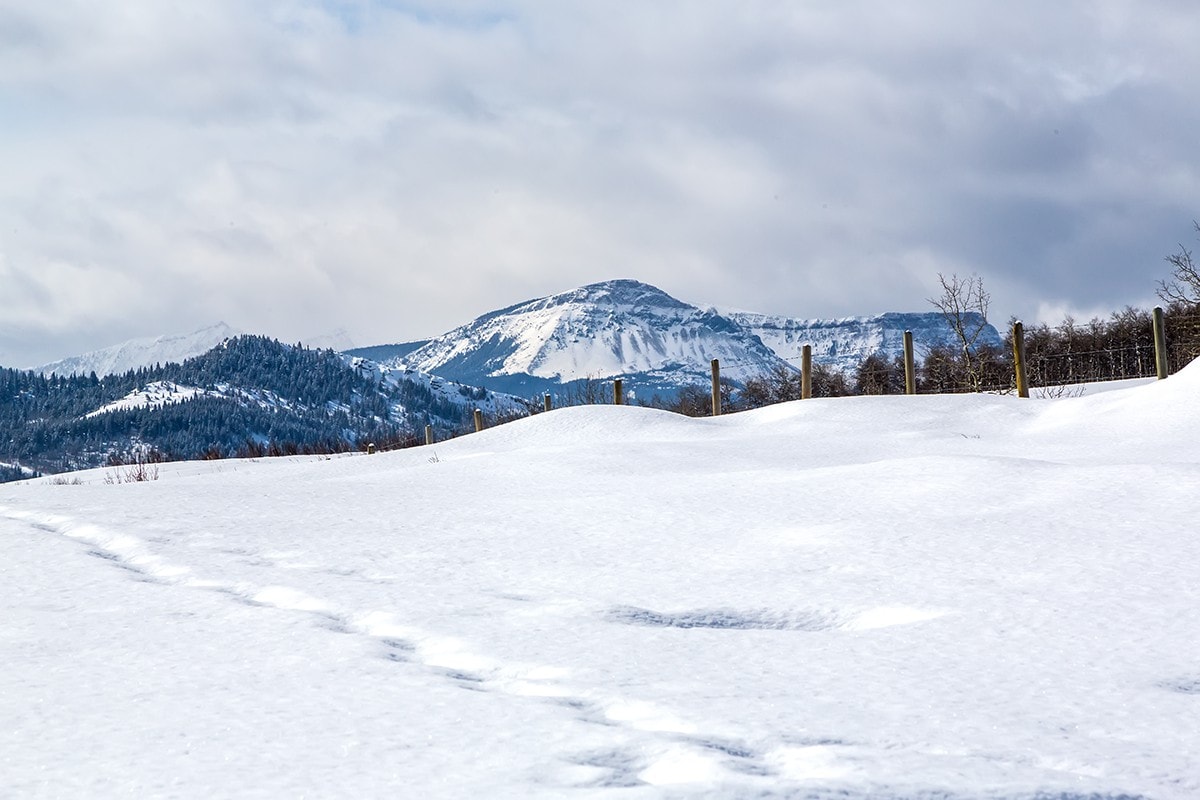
(398, 168)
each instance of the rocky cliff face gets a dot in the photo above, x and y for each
(843, 343)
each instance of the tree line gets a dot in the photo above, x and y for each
(258, 397)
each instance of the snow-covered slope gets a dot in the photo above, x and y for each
(155, 394)
(138, 353)
(843, 343)
(868, 598)
(603, 330)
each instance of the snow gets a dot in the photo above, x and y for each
(157, 394)
(873, 597)
(613, 328)
(1081, 389)
(153, 395)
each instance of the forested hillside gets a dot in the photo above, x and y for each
(249, 396)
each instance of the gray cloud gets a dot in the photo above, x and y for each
(396, 169)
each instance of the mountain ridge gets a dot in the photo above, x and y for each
(142, 352)
(619, 328)
(629, 329)
(842, 342)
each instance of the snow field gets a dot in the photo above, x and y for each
(859, 597)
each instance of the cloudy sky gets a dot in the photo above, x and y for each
(398, 168)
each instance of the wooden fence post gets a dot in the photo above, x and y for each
(1018, 337)
(1160, 343)
(806, 372)
(910, 366)
(618, 392)
(716, 388)
(546, 402)
(478, 420)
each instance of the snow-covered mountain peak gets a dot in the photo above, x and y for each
(623, 294)
(597, 299)
(337, 340)
(602, 330)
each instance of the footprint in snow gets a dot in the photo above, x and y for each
(1189, 685)
(768, 620)
(724, 619)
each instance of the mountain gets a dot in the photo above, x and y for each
(338, 340)
(842, 343)
(659, 344)
(386, 352)
(619, 328)
(138, 353)
(247, 396)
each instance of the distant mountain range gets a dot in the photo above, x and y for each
(215, 392)
(169, 349)
(618, 328)
(659, 344)
(381, 353)
(138, 353)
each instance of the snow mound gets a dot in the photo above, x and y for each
(876, 597)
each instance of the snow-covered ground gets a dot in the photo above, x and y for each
(875, 597)
(1081, 389)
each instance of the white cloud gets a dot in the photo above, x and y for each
(396, 170)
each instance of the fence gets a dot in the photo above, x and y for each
(1149, 346)
(1090, 366)
(1182, 340)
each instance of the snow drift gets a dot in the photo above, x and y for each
(875, 597)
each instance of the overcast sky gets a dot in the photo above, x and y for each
(398, 168)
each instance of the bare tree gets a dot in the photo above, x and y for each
(876, 375)
(964, 303)
(1184, 285)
